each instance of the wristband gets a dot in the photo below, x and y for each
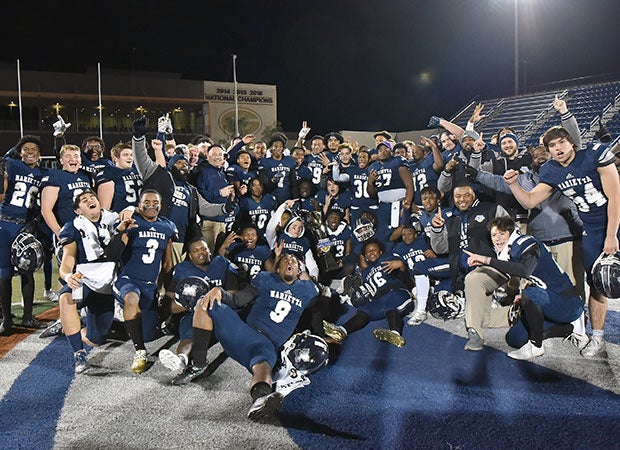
(67, 277)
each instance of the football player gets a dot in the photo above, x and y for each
(118, 185)
(281, 298)
(89, 271)
(385, 295)
(216, 272)
(589, 178)
(147, 253)
(22, 181)
(549, 294)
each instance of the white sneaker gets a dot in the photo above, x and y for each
(416, 318)
(172, 361)
(595, 349)
(528, 351)
(578, 340)
(50, 296)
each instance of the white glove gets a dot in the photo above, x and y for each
(60, 126)
(164, 124)
(303, 132)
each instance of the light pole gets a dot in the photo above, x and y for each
(516, 47)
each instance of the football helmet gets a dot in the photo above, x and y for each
(306, 352)
(514, 313)
(190, 290)
(26, 253)
(446, 306)
(606, 275)
(364, 229)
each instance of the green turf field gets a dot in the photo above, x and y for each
(40, 305)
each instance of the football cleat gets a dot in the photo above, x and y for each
(81, 363)
(595, 349)
(55, 329)
(140, 362)
(265, 406)
(50, 296)
(6, 327)
(474, 342)
(528, 351)
(336, 333)
(33, 323)
(172, 361)
(390, 336)
(190, 374)
(416, 318)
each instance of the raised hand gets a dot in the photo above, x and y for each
(560, 105)
(60, 126)
(438, 220)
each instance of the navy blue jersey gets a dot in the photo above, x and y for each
(234, 173)
(547, 274)
(252, 259)
(359, 188)
(259, 212)
(314, 164)
(581, 182)
(417, 264)
(94, 167)
(279, 173)
(388, 176)
(21, 197)
(70, 185)
(296, 246)
(144, 252)
(179, 208)
(215, 272)
(377, 281)
(303, 173)
(341, 202)
(278, 305)
(338, 239)
(423, 175)
(127, 185)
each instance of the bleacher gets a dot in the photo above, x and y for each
(530, 115)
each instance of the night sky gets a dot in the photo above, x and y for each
(340, 64)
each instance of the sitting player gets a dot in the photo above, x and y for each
(385, 296)
(281, 298)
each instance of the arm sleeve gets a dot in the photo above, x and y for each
(240, 298)
(569, 122)
(522, 268)
(144, 164)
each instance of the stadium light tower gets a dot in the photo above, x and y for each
(516, 47)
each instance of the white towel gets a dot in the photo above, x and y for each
(95, 238)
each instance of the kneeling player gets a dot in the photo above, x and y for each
(88, 269)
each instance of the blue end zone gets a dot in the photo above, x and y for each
(433, 394)
(30, 410)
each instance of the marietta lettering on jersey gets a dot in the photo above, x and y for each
(574, 182)
(286, 296)
(27, 179)
(151, 234)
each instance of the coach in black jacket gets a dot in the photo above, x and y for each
(467, 229)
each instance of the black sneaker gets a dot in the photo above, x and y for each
(55, 329)
(190, 374)
(6, 327)
(33, 323)
(265, 406)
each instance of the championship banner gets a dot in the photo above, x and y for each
(257, 109)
